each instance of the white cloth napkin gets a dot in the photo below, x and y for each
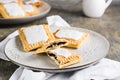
(106, 69)
(57, 21)
(25, 74)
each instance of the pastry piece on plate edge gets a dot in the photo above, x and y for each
(30, 10)
(63, 57)
(11, 10)
(57, 43)
(36, 3)
(35, 36)
(74, 38)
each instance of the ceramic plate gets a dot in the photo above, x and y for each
(43, 11)
(92, 50)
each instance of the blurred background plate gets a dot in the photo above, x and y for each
(71, 5)
(94, 48)
(44, 9)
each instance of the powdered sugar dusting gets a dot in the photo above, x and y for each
(72, 34)
(62, 52)
(35, 34)
(14, 9)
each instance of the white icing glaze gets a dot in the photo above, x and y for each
(28, 8)
(72, 34)
(35, 34)
(7, 1)
(62, 52)
(14, 9)
(31, 1)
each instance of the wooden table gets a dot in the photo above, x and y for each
(108, 25)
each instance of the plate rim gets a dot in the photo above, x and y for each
(29, 17)
(66, 68)
(60, 70)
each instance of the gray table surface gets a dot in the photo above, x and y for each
(108, 25)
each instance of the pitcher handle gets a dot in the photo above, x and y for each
(108, 3)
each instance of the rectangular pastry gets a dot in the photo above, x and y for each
(35, 36)
(36, 3)
(30, 10)
(51, 45)
(11, 10)
(63, 57)
(73, 37)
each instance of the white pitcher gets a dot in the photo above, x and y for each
(95, 8)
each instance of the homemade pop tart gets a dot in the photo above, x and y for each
(36, 3)
(30, 10)
(73, 37)
(63, 57)
(11, 10)
(35, 36)
(51, 45)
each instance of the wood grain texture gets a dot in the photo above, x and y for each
(108, 25)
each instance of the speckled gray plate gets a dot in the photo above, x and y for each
(43, 11)
(92, 50)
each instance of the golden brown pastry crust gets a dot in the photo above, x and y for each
(6, 15)
(28, 47)
(51, 45)
(1, 16)
(62, 61)
(37, 4)
(32, 13)
(74, 43)
(20, 2)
